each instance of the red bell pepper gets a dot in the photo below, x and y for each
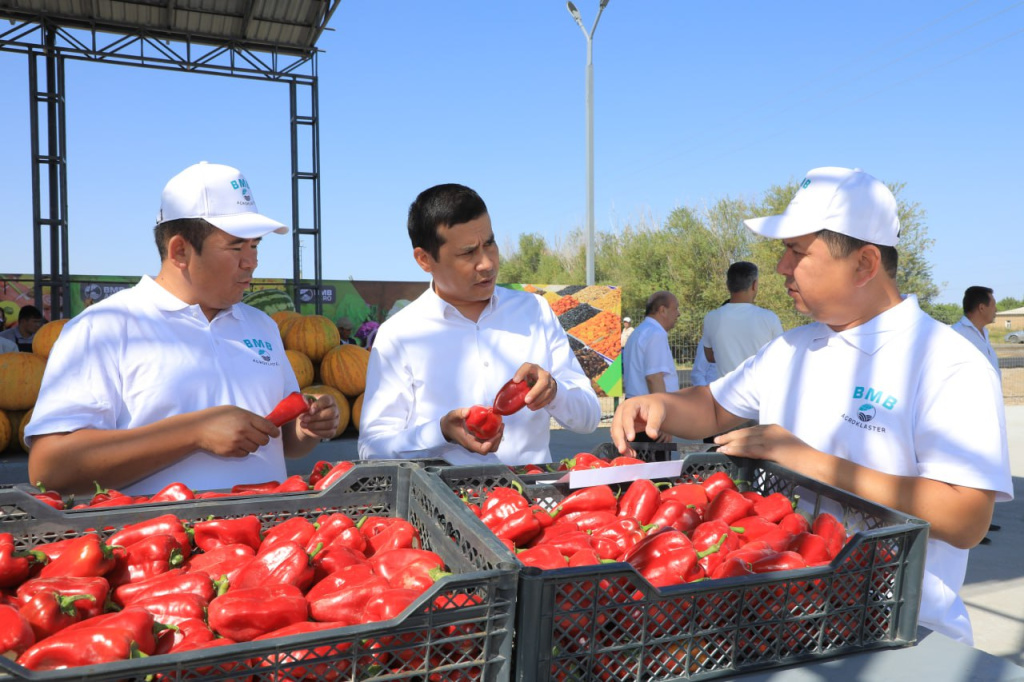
(732, 567)
(49, 497)
(184, 632)
(640, 501)
(387, 605)
(96, 588)
(243, 615)
(372, 525)
(104, 494)
(500, 504)
(88, 646)
(348, 601)
(174, 581)
(625, 460)
(673, 513)
(50, 612)
(552, 531)
(322, 662)
(716, 483)
(340, 579)
(521, 527)
(687, 493)
(168, 524)
(297, 529)
(624, 534)
(388, 564)
(262, 488)
(15, 567)
(728, 505)
(752, 551)
(829, 527)
(753, 527)
(292, 484)
(147, 558)
(335, 474)
(139, 622)
(16, 633)
(594, 498)
(318, 471)
(782, 561)
(483, 422)
(778, 538)
(774, 507)
(173, 609)
(292, 406)
(224, 561)
(415, 578)
(327, 529)
(795, 523)
(399, 534)
(511, 397)
(214, 533)
(335, 558)
(173, 492)
(712, 533)
(570, 543)
(84, 556)
(582, 460)
(544, 557)
(811, 547)
(655, 546)
(585, 557)
(288, 563)
(587, 521)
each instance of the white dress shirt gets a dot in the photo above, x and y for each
(647, 352)
(429, 359)
(965, 328)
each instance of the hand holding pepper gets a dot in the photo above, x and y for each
(455, 428)
(542, 386)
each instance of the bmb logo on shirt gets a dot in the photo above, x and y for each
(874, 396)
(262, 348)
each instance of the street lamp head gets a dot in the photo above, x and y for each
(604, 3)
(574, 12)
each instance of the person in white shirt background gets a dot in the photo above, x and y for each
(875, 396)
(459, 342)
(627, 331)
(979, 310)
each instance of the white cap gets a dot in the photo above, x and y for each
(626, 319)
(842, 200)
(219, 195)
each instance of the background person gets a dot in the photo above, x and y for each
(30, 319)
(738, 329)
(979, 310)
(647, 362)
(627, 331)
(167, 381)
(345, 330)
(874, 397)
(459, 342)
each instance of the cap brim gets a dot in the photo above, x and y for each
(247, 225)
(778, 226)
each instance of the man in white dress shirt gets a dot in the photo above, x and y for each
(979, 310)
(459, 342)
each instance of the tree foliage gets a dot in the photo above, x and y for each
(690, 253)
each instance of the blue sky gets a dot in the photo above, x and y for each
(694, 101)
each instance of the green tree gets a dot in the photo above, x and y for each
(947, 313)
(1009, 303)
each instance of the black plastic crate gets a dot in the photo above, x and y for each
(440, 636)
(607, 622)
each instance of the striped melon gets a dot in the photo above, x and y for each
(47, 335)
(20, 377)
(269, 300)
(302, 366)
(5, 431)
(357, 410)
(344, 367)
(314, 335)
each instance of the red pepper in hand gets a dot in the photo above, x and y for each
(88, 646)
(293, 405)
(16, 633)
(483, 422)
(511, 397)
(84, 556)
(211, 534)
(15, 567)
(243, 615)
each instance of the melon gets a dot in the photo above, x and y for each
(5, 431)
(302, 366)
(269, 300)
(314, 335)
(344, 412)
(20, 377)
(344, 368)
(21, 430)
(357, 411)
(47, 335)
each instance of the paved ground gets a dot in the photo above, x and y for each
(994, 587)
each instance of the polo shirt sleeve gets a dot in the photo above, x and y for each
(738, 391)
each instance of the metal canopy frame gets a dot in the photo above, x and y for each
(273, 40)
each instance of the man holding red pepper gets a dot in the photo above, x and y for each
(168, 381)
(874, 397)
(459, 342)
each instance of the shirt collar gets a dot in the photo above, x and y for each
(444, 309)
(876, 332)
(168, 302)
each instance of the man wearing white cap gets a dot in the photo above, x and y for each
(874, 397)
(168, 381)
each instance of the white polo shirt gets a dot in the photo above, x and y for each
(647, 352)
(965, 328)
(897, 394)
(735, 331)
(143, 355)
(429, 359)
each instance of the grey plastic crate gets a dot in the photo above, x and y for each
(607, 622)
(443, 635)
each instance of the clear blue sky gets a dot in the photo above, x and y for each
(694, 101)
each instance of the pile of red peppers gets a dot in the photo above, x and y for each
(670, 533)
(162, 585)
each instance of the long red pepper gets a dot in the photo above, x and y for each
(293, 405)
(348, 601)
(147, 558)
(213, 533)
(85, 556)
(594, 498)
(16, 633)
(15, 566)
(287, 563)
(139, 622)
(640, 501)
(95, 587)
(511, 397)
(335, 474)
(50, 612)
(388, 564)
(243, 615)
(83, 647)
(338, 580)
(167, 524)
(224, 561)
(173, 492)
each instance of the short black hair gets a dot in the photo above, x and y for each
(657, 300)
(974, 297)
(193, 230)
(441, 206)
(740, 276)
(30, 312)
(842, 245)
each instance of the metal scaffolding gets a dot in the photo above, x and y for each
(272, 40)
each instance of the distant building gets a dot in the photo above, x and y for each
(1008, 320)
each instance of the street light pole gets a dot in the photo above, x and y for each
(590, 129)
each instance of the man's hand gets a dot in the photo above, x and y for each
(544, 385)
(453, 427)
(769, 442)
(322, 419)
(643, 414)
(230, 431)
